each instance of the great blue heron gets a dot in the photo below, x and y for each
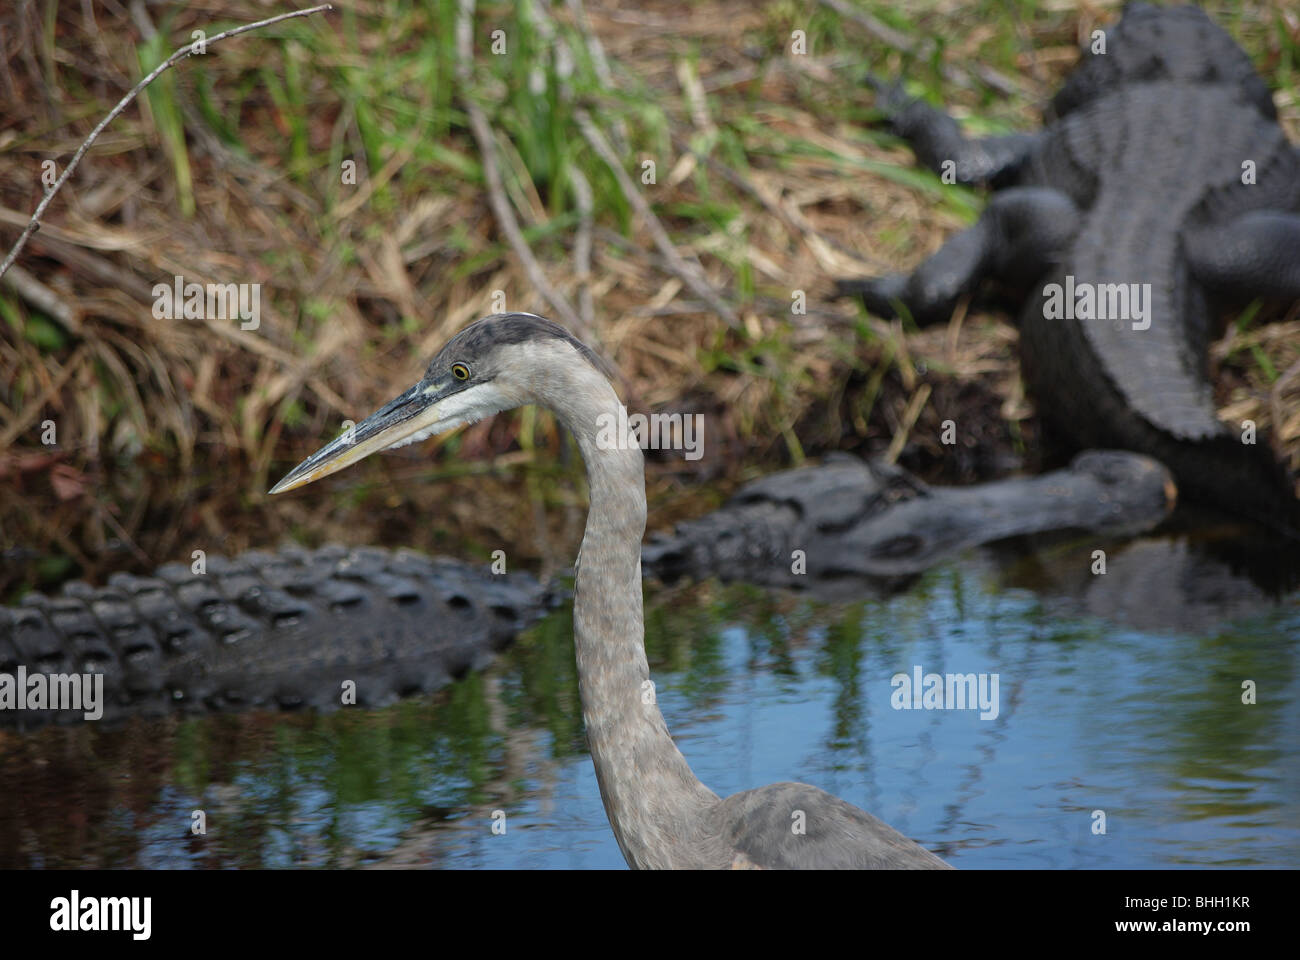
(661, 814)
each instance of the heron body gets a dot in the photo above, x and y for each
(661, 814)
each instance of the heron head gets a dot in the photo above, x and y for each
(494, 364)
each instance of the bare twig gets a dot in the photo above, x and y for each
(185, 51)
(44, 299)
(914, 407)
(688, 273)
(599, 63)
(482, 130)
(582, 248)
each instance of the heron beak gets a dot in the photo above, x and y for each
(420, 410)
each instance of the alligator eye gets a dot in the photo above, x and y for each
(460, 371)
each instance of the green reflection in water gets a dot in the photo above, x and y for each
(760, 687)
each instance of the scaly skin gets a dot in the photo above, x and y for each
(1162, 164)
(1165, 159)
(872, 527)
(269, 630)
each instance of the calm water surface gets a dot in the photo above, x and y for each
(1142, 724)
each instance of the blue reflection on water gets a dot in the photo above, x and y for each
(1146, 728)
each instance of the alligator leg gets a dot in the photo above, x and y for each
(939, 144)
(1256, 255)
(1022, 232)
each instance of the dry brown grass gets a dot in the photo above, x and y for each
(169, 430)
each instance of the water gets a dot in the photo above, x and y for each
(1143, 725)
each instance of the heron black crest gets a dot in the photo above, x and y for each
(661, 814)
(511, 328)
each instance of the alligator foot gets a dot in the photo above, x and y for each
(1022, 232)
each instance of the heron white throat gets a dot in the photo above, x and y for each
(662, 816)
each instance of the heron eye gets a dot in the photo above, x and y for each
(460, 371)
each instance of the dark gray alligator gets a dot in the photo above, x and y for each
(268, 630)
(1188, 583)
(873, 527)
(1160, 189)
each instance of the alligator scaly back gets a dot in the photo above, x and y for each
(283, 630)
(1160, 190)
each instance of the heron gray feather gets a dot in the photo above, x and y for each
(661, 814)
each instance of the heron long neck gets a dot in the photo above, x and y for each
(650, 794)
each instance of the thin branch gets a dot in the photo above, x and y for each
(482, 130)
(582, 247)
(689, 273)
(618, 129)
(44, 299)
(914, 407)
(186, 51)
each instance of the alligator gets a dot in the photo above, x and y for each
(1190, 583)
(849, 527)
(1160, 190)
(283, 630)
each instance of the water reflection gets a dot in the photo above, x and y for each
(1145, 725)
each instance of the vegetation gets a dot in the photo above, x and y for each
(769, 178)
